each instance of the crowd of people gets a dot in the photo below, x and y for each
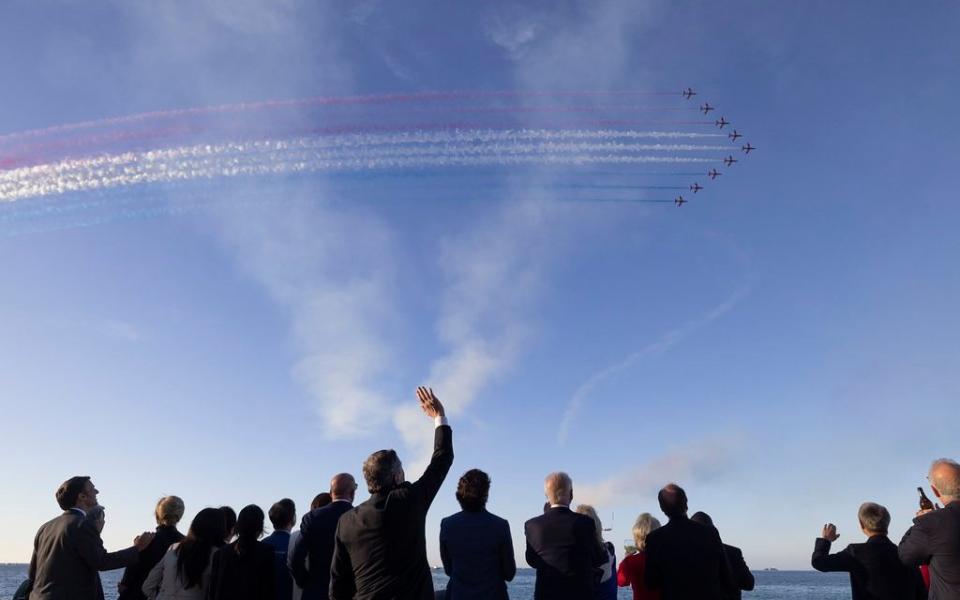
(377, 550)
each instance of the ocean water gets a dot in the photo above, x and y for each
(771, 585)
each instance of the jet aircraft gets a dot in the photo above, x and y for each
(733, 136)
(721, 122)
(706, 107)
(696, 187)
(746, 149)
(713, 173)
(689, 93)
(729, 160)
(679, 201)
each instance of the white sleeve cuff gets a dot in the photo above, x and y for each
(440, 420)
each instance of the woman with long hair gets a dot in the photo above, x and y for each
(243, 570)
(184, 571)
(633, 566)
(606, 587)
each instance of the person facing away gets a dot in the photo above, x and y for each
(475, 545)
(876, 572)
(631, 569)
(183, 573)
(243, 570)
(562, 546)
(283, 514)
(168, 512)
(68, 552)
(320, 500)
(742, 577)
(313, 554)
(229, 524)
(685, 559)
(380, 551)
(934, 538)
(605, 587)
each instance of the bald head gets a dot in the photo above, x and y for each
(558, 488)
(343, 486)
(945, 479)
(673, 500)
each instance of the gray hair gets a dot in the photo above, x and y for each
(558, 487)
(947, 483)
(874, 517)
(586, 509)
(642, 527)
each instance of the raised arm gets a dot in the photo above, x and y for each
(822, 560)
(90, 548)
(429, 483)
(914, 548)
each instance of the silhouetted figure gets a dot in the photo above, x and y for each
(184, 571)
(934, 538)
(475, 545)
(631, 569)
(319, 501)
(605, 586)
(283, 515)
(380, 550)
(562, 546)
(742, 577)
(168, 512)
(243, 570)
(313, 554)
(229, 523)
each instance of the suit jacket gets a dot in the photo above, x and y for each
(686, 560)
(934, 540)
(380, 551)
(135, 575)
(247, 577)
(67, 556)
(742, 577)
(282, 580)
(317, 531)
(876, 572)
(477, 554)
(562, 546)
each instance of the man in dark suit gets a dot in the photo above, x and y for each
(168, 512)
(68, 551)
(685, 559)
(315, 546)
(934, 538)
(475, 545)
(283, 515)
(876, 572)
(562, 546)
(381, 551)
(742, 577)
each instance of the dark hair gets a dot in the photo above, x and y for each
(379, 470)
(283, 513)
(673, 500)
(229, 522)
(193, 555)
(320, 500)
(702, 518)
(473, 490)
(249, 527)
(70, 490)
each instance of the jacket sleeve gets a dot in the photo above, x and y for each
(342, 585)
(914, 548)
(297, 558)
(32, 571)
(445, 557)
(429, 483)
(653, 570)
(533, 559)
(623, 578)
(727, 581)
(90, 548)
(508, 563)
(598, 554)
(823, 561)
(742, 577)
(151, 585)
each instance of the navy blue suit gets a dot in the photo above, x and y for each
(564, 549)
(477, 554)
(282, 582)
(317, 531)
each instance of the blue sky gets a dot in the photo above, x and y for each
(785, 348)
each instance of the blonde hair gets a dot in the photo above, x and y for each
(642, 527)
(169, 510)
(586, 509)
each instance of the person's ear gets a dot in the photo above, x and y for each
(936, 492)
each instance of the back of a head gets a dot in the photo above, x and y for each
(945, 476)
(70, 490)
(642, 527)
(702, 518)
(169, 510)
(249, 527)
(874, 517)
(586, 509)
(283, 514)
(229, 522)
(558, 488)
(343, 487)
(473, 489)
(320, 500)
(673, 501)
(380, 471)
(206, 532)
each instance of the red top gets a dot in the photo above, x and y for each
(630, 573)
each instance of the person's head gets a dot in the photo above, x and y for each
(283, 514)
(944, 479)
(98, 517)
(320, 500)
(343, 487)
(673, 501)
(229, 522)
(77, 492)
(473, 489)
(874, 519)
(249, 527)
(382, 471)
(642, 527)
(558, 488)
(586, 509)
(208, 526)
(169, 511)
(206, 532)
(702, 518)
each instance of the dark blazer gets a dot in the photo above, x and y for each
(282, 580)
(876, 572)
(686, 560)
(317, 531)
(135, 575)
(247, 577)
(742, 577)
(380, 551)
(562, 546)
(67, 555)
(934, 540)
(477, 554)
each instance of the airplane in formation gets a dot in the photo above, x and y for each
(746, 149)
(689, 93)
(733, 136)
(679, 201)
(721, 122)
(713, 173)
(729, 160)
(706, 107)
(696, 187)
